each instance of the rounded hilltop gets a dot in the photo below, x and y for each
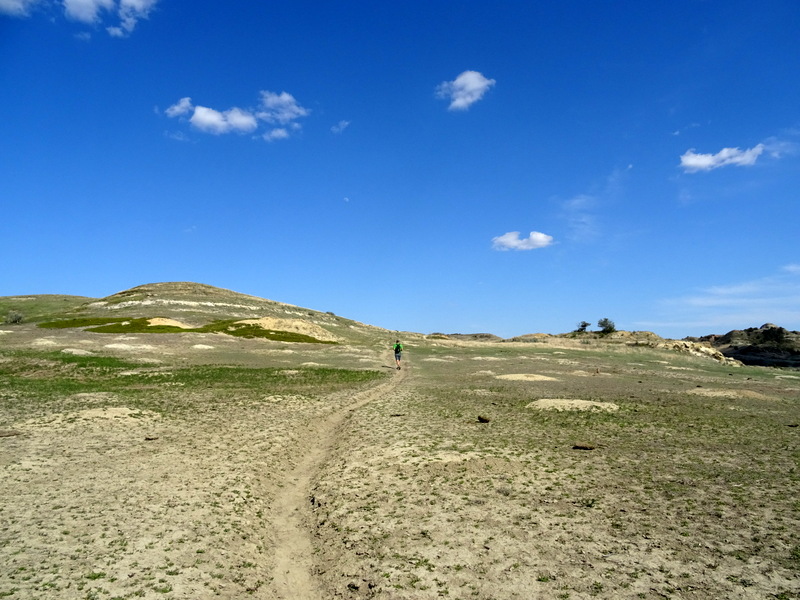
(186, 289)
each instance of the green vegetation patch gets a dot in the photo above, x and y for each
(123, 325)
(39, 307)
(44, 382)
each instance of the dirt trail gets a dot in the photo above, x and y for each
(293, 576)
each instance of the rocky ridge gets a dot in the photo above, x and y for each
(765, 346)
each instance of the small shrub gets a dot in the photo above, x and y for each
(14, 318)
(582, 326)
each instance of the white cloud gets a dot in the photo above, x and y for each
(181, 107)
(464, 90)
(90, 12)
(276, 134)
(512, 241)
(131, 12)
(216, 122)
(280, 108)
(17, 8)
(209, 120)
(693, 162)
(240, 120)
(340, 126)
(86, 11)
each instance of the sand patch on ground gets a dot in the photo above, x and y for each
(170, 322)
(294, 326)
(582, 373)
(569, 404)
(202, 347)
(76, 352)
(729, 394)
(526, 377)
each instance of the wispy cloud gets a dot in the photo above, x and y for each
(87, 11)
(773, 147)
(91, 12)
(340, 126)
(692, 162)
(465, 90)
(181, 107)
(794, 269)
(17, 8)
(774, 298)
(513, 241)
(280, 108)
(678, 132)
(582, 212)
(130, 13)
(276, 109)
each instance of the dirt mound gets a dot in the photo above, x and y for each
(561, 404)
(526, 377)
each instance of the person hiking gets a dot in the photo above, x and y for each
(398, 351)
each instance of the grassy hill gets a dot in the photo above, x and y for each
(193, 306)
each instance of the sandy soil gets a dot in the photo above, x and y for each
(393, 491)
(295, 326)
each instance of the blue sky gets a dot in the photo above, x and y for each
(456, 166)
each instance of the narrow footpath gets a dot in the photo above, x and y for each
(293, 578)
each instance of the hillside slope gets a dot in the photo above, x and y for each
(194, 305)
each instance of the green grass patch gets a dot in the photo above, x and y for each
(45, 382)
(41, 307)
